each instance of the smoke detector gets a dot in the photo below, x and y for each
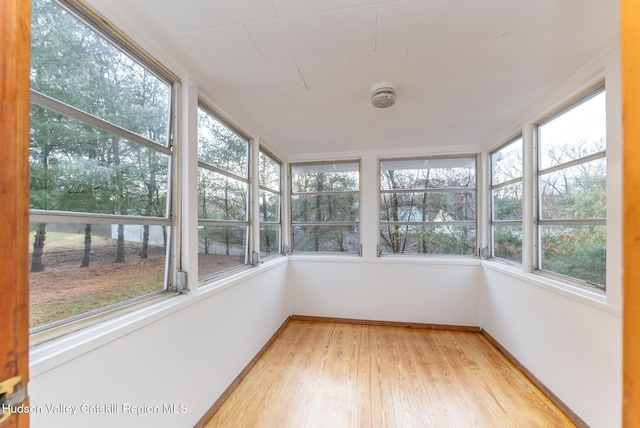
(383, 95)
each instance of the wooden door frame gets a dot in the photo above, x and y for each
(15, 44)
(630, 55)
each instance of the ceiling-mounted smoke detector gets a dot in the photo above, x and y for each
(383, 95)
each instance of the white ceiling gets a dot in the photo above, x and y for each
(298, 73)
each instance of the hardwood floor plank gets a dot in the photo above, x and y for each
(322, 374)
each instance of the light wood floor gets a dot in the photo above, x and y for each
(318, 374)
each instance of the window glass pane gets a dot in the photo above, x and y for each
(507, 242)
(269, 172)
(269, 207)
(506, 163)
(269, 240)
(78, 268)
(578, 192)
(428, 173)
(221, 197)
(220, 248)
(339, 177)
(428, 239)
(75, 167)
(325, 238)
(321, 208)
(432, 206)
(575, 251)
(507, 202)
(220, 146)
(579, 132)
(74, 64)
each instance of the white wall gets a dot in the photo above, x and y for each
(571, 344)
(433, 292)
(569, 338)
(185, 354)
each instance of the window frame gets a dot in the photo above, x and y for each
(380, 192)
(126, 46)
(247, 223)
(279, 194)
(492, 187)
(538, 222)
(356, 224)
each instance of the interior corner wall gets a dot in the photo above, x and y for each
(569, 343)
(186, 359)
(572, 347)
(428, 292)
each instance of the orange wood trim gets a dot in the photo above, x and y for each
(15, 42)
(388, 323)
(541, 386)
(630, 60)
(227, 392)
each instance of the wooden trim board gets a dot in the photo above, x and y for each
(227, 392)
(541, 386)
(388, 323)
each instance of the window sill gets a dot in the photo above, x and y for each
(594, 298)
(56, 352)
(424, 260)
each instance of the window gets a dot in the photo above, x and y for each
(506, 201)
(571, 211)
(100, 161)
(269, 205)
(428, 206)
(223, 195)
(325, 203)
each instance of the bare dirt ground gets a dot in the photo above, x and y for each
(65, 289)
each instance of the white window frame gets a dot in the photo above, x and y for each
(90, 19)
(538, 172)
(355, 224)
(492, 187)
(475, 189)
(203, 278)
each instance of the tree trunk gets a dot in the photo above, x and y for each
(120, 245)
(86, 258)
(38, 245)
(144, 252)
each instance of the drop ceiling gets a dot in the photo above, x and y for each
(297, 73)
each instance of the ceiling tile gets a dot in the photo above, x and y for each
(378, 66)
(464, 58)
(326, 73)
(277, 77)
(174, 17)
(507, 82)
(283, 40)
(288, 8)
(327, 98)
(543, 16)
(566, 50)
(476, 20)
(422, 23)
(223, 55)
(226, 13)
(436, 61)
(263, 103)
(343, 32)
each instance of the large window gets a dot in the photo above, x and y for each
(428, 206)
(100, 160)
(223, 195)
(571, 214)
(506, 201)
(270, 206)
(325, 206)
